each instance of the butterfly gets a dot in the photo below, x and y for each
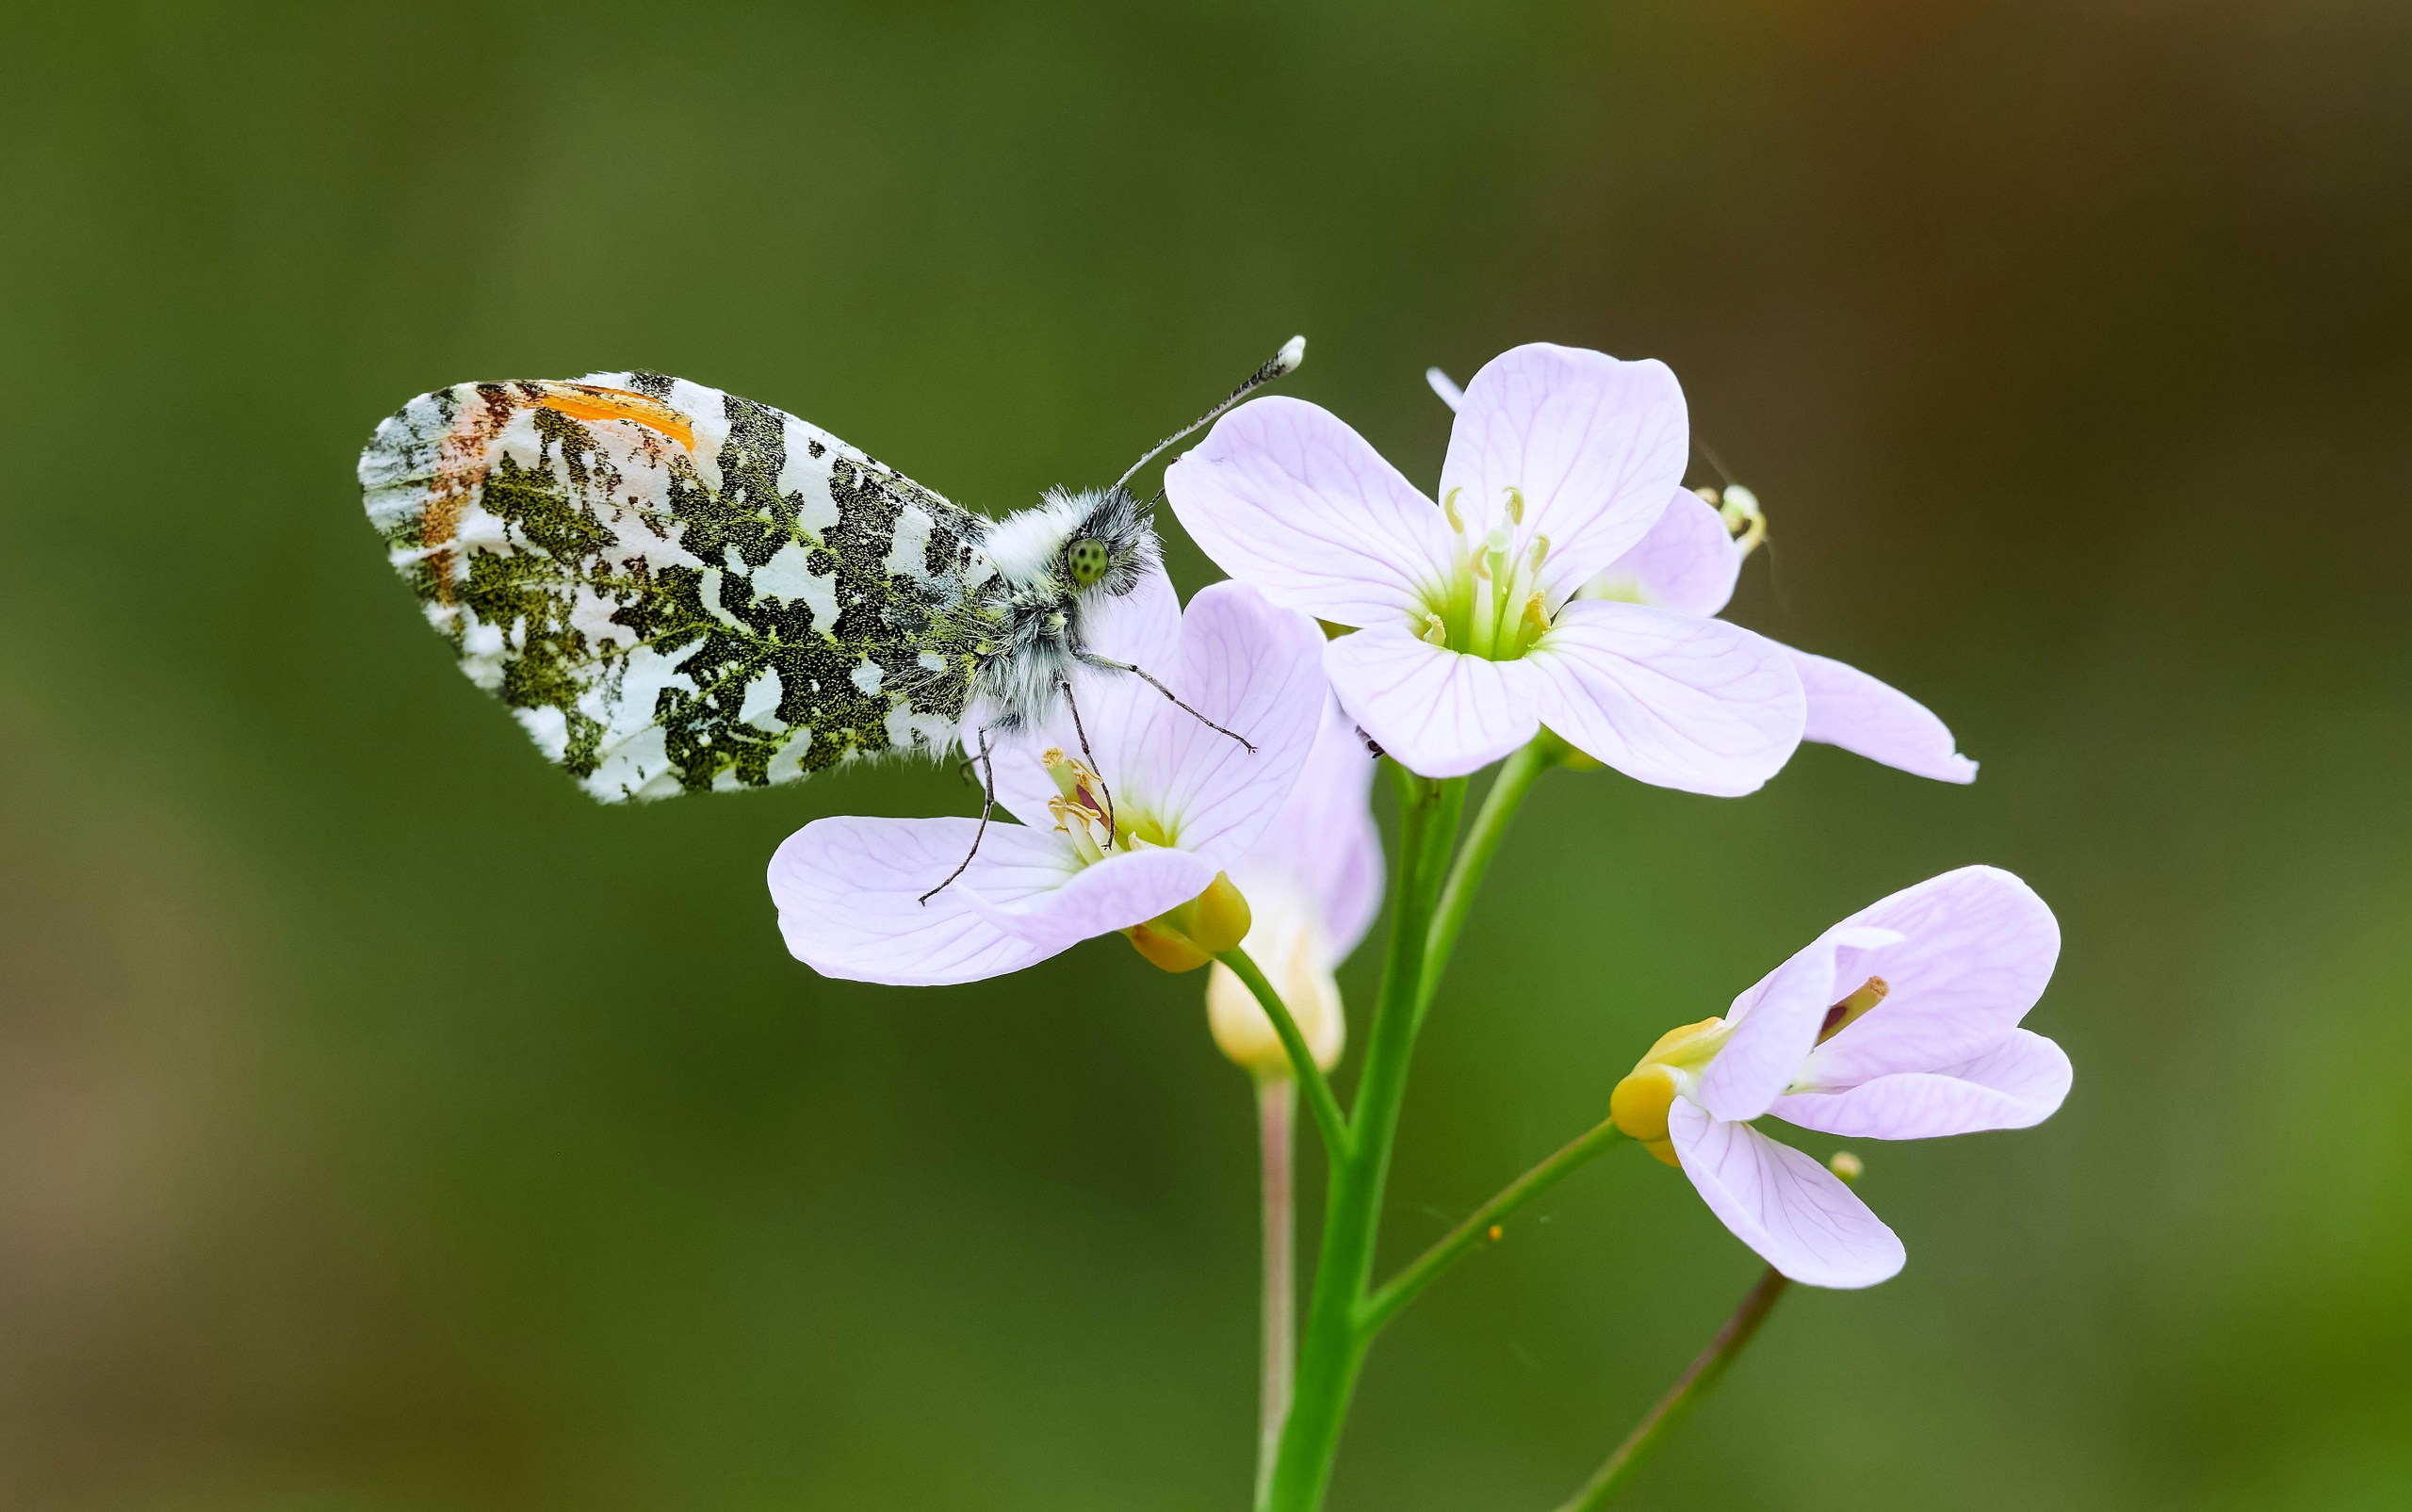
(673, 588)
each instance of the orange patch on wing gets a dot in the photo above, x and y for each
(588, 402)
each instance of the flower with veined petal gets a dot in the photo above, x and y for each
(1900, 1022)
(1690, 562)
(1170, 803)
(1313, 882)
(1471, 637)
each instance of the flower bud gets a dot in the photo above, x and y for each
(1640, 1103)
(1287, 944)
(1184, 938)
(1847, 1166)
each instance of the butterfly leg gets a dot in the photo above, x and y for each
(1145, 676)
(988, 807)
(1090, 758)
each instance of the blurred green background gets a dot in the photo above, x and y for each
(383, 1124)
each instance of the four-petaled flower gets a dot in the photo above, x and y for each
(1471, 637)
(1900, 1022)
(1313, 883)
(1169, 804)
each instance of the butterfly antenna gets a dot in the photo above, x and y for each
(1145, 676)
(1283, 363)
(1089, 758)
(988, 807)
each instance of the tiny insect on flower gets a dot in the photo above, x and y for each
(1136, 841)
(1471, 637)
(1900, 1022)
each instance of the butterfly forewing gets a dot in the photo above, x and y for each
(674, 588)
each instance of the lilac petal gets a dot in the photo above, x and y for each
(1252, 669)
(1851, 709)
(1687, 562)
(1438, 712)
(1116, 893)
(848, 893)
(1800, 1216)
(1283, 494)
(1322, 847)
(2021, 1082)
(1595, 444)
(1979, 947)
(1774, 1025)
(1697, 705)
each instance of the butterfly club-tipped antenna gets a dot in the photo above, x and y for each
(1281, 365)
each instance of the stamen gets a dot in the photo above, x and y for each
(1535, 621)
(1515, 504)
(1449, 507)
(1848, 1011)
(1541, 552)
(1435, 633)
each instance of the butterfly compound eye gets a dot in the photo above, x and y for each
(1086, 560)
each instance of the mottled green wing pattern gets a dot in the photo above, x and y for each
(674, 588)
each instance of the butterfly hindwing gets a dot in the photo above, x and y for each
(674, 588)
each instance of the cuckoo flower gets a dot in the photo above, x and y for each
(1313, 882)
(1470, 638)
(1130, 843)
(1690, 562)
(1900, 1022)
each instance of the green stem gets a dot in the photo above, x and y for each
(1402, 1288)
(1333, 1349)
(1330, 1121)
(1614, 1476)
(1277, 1101)
(1499, 806)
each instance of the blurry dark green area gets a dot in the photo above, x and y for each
(383, 1124)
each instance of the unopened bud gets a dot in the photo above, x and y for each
(1186, 937)
(1640, 1103)
(1287, 944)
(1847, 1166)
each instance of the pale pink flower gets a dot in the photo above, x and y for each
(1170, 803)
(1313, 883)
(1688, 564)
(1471, 637)
(1900, 1022)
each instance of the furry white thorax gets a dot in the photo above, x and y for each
(1043, 640)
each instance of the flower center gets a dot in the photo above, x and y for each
(1491, 604)
(1086, 815)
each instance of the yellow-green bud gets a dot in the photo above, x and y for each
(1640, 1103)
(1186, 937)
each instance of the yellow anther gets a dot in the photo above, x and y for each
(1848, 1011)
(1435, 633)
(1482, 564)
(1515, 504)
(1706, 496)
(1535, 621)
(1449, 507)
(1540, 551)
